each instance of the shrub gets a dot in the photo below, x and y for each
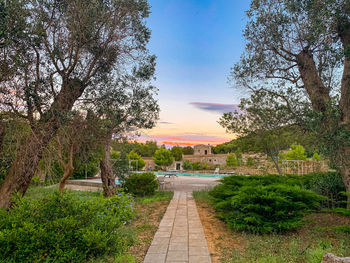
(64, 228)
(204, 166)
(196, 166)
(250, 161)
(263, 204)
(136, 162)
(141, 184)
(328, 184)
(297, 153)
(316, 157)
(231, 160)
(187, 165)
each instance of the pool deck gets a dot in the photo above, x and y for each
(179, 183)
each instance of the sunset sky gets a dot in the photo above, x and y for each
(196, 42)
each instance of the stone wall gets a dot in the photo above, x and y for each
(202, 149)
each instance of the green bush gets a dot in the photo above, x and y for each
(328, 184)
(141, 184)
(263, 204)
(187, 165)
(250, 161)
(64, 228)
(231, 160)
(297, 153)
(136, 162)
(196, 166)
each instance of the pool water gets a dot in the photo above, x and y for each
(192, 174)
(99, 181)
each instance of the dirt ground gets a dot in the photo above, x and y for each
(146, 223)
(220, 239)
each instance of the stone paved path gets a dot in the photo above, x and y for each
(180, 236)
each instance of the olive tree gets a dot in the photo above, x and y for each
(54, 52)
(127, 105)
(303, 45)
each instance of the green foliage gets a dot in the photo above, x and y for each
(250, 161)
(187, 165)
(141, 184)
(143, 149)
(316, 156)
(188, 150)
(35, 180)
(196, 166)
(163, 157)
(136, 161)
(158, 196)
(263, 204)
(177, 153)
(114, 155)
(64, 228)
(87, 167)
(231, 160)
(328, 184)
(16, 132)
(297, 153)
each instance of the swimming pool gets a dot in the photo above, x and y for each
(192, 174)
(99, 181)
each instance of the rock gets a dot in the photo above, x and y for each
(330, 258)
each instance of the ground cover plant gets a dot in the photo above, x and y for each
(263, 204)
(321, 233)
(46, 226)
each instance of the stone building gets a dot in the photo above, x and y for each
(202, 149)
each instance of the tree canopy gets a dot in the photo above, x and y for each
(56, 55)
(299, 52)
(163, 157)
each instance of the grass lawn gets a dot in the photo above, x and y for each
(321, 233)
(149, 212)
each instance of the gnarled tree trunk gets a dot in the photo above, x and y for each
(107, 176)
(343, 161)
(68, 169)
(25, 164)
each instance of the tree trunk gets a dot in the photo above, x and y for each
(275, 161)
(343, 159)
(344, 33)
(25, 164)
(318, 93)
(68, 169)
(107, 176)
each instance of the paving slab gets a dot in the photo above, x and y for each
(180, 236)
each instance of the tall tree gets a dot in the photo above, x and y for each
(304, 45)
(163, 158)
(127, 105)
(60, 51)
(267, 119)
(177, 153)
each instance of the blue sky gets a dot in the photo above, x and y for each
(196, 42)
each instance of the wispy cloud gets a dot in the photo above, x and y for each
(216, 107)
(183, 139)
(165, 122)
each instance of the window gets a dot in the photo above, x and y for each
(205, 152)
